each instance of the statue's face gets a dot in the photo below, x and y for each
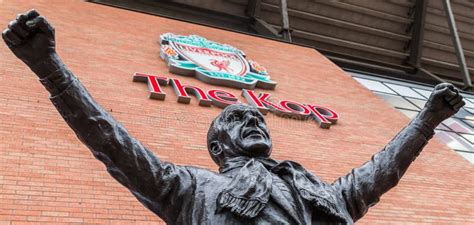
(244, 133)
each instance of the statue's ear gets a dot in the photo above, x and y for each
(215, 148)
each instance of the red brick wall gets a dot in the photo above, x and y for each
(47, 175)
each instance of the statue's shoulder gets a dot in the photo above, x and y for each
(201, 172)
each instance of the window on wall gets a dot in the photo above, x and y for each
(456, 132)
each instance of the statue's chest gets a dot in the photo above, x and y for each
(282, 207)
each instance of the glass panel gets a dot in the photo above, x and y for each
(468, 156)
(469, 104)
(469, 137)
(464, 114)
(419, 103)
(424, 92)
(397, 101)
(405, 91)
(454, 141)
(374, 85)
(456, 132)
(442, 127)
(459, 138)
(457, 125)
(468, 122)
(471, 99)
(410, 114)
(469, 110)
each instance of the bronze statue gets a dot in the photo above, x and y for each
(250, 188)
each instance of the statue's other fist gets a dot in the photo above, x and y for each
(30, 37)
(444, 102)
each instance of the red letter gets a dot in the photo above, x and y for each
(182, 93)
(295, 109)
(261, 102)
(153, 84)
(323, 116)
(221, 98)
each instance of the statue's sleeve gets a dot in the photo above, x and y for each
(160, 186)
(363, 187)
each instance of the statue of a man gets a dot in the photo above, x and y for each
(250, 188)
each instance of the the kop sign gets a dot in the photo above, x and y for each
(223, 65)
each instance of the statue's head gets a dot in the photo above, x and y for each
(240, 130)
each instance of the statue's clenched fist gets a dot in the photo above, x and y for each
(444, 102)
(31, 38)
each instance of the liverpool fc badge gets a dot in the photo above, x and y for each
(212, 62)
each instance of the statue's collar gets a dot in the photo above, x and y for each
(232, 165)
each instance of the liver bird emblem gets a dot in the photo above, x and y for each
(221, 65)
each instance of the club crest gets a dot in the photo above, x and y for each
(212, 62)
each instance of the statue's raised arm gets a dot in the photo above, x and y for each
(363, 187)
(158, 185)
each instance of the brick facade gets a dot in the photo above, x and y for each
(48, 176)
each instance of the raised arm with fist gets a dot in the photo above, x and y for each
(444, 102)
(31, 38)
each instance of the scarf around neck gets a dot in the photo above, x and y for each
(249, 191)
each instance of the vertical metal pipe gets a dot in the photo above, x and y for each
(285, 28)
(253, 8)
(457, 44)
(417, 37)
